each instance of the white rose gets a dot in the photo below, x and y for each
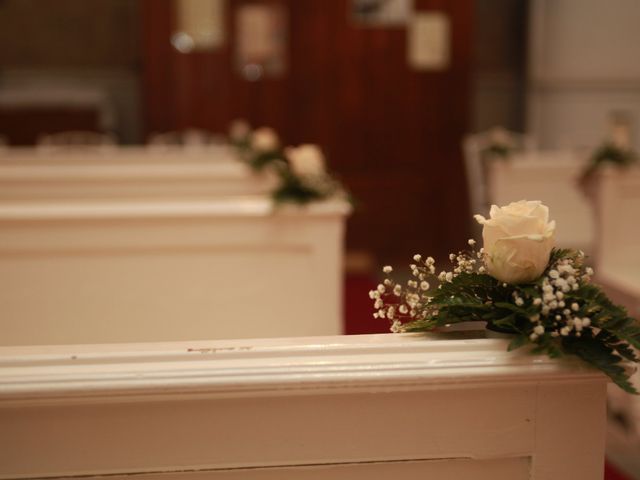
(518, 240)
(306, 160)
(239, 130)
(265, 139)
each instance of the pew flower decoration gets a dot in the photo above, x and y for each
(240, 134)
(519, 284)
(499, 144)
(616, 151)
(264, 149)
(304, 177)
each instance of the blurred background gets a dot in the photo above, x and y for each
(406, 98)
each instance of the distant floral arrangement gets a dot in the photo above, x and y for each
(500, 144)
(616, 151)
(302, 172)
(519, 284)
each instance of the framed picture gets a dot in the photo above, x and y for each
(379, 13)
(261, 41)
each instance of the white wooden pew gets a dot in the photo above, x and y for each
(384, 407)
(551, 177)
(617, 203)
(126, 172)
(618, 214)
(105, 272)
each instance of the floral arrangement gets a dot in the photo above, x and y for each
(615, 151)
(499, 144)
(304, 177)
(302, 172)
(240, 135)
(519, 284)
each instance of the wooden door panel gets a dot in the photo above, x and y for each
(348, 88)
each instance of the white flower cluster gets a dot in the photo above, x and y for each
(397, 302)
(563, 313)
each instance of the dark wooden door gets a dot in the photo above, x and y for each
(392, 133)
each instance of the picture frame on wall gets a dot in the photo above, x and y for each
(381, 13)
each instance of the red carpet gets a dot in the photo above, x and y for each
(359, 308)
(359, 320)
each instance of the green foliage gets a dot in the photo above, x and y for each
(293, 190)
(497, 151)
(609, 154)
(259, 160)
(607, 343)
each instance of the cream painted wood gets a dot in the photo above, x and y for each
(372, 406)
(618, 211)
(108, 272)
(551, 177)
(475, 165)
(618, 196)
(617, 203)
(126, 172)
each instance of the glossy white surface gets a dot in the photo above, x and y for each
(378, 406)
(166, 172)
(105, 272)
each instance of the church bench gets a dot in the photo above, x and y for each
(126, 172)
(396, 407)
(137, 271)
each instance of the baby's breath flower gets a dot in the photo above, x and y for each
(417, 257)
(471, 242)
(387, 269)
(397, 290)
(424, 285)
(381, 288)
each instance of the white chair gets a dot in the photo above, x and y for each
(551, 177)
(479, 149)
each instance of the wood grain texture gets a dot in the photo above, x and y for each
(393, 134)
